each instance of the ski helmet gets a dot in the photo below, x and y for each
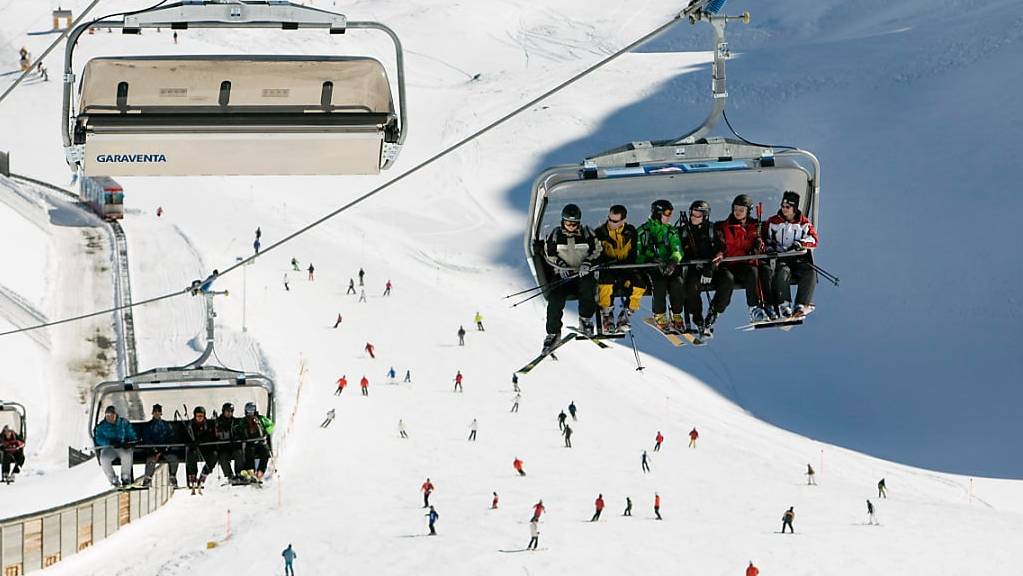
(743, 200)
(701, 206)
(199, 410)
(571, 213)
(660, 207)
(250, 408)
(790, 197)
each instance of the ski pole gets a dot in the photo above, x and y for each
(639, 364)
(827, 275)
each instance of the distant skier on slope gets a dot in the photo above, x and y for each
(294, 264)
(644, 464)
(534, 535)
(515, 405)
(810, 473)
(567, 433)
(493, 503)
(364, 384)
(518, 465)
(351, 286)
(387, 288)
(657, 441)
(328, 419)
(341, 383)
(657, 506)
(401, 429)
(285, 281)
(362, 295)
(408, 376)
(572, 409)
(289, 557)
(458, 382)
(370, 349)
(561, 420)
(752, 570)
(391, 374)
(461, 335)
(598, 507)
(628, 507)
(427, 488)
(882, 490)
(362, 275)
(538, 509)
(515, 383)
(478, 319)
(572, 250)
(311, 270)
(473, 427)
(338, 321)
(433, 516)
(693, 435)
(870, 513)
(786, 520)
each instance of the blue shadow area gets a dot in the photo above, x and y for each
(916, 357)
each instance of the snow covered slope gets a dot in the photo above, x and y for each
(347, 496)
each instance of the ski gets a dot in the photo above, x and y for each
(693, 338)
(532, 363)
(581, 336)
(523, 550)
(785, 324)
(43, 32)
(670, 336)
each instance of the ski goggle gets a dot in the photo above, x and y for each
(569, 223)
(667, 213)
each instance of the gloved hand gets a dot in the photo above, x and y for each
(760, 245)
(705, 280)
(668, 269)
(584, 269)
(796, 246)
(565, 273)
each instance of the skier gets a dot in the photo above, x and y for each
(882, 490)
(370, 349)
(789, 230)
(657, 441)
(618, 247)
(870, 514)
(294, 264)
(387, 288)
(12, 451)
(534, 535)
(159, 211)
(493, 503)
(41, 70)
(401, 429)
(752, 570)
(644, 463)
(158, 434)
(657, 506)
(571, 409)
(515, 405)
(285, 280)
(408, 376)
(515, 383)
(472, 430)
(351, 286)
(328, 419)
(598, 507)
(657, 242)
(810, 481)
(362, 295)
(289, 557)
(561, 420)
(311, 270)
(338, 321)
(572, 250)
(259, 232)
(628, 507)
(114, 438)
(175, 37)
(693, 435)
(567, 433)
(253, 430)
(517, 464)
(432, 514)
(538, 509)
(461, 335)
(478, 319)
(786, 520)
(698, 242)
(341, 383)
(458, 382)
(427, 488)
(362, 274)
(200, 433)
(364, 384)
(391, 374)
(738, 235)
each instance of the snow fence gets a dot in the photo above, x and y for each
(34, 541)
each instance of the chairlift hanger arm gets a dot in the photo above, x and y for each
(267, 14)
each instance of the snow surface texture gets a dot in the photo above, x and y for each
(449, 239)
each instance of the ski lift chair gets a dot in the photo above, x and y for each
(179, 391)
(232, 115)
(681, 170)
(12, 414)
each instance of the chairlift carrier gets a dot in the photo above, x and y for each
(684, 169)
(13, 414)
(232, 114)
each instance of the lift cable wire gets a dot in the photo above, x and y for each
(191, 290)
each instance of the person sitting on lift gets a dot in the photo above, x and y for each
(618, 247)
(738, 235)
(12, 451)
(572, 249)
(658, 243)
(159, 434)
(789, 230)
(698, 243)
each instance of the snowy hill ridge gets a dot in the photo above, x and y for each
(347, 496)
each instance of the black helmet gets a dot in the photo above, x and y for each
(571, 213)
(743, 200)
(199, 410)
(227, 407)
(702, 206)
(659, 207)
(791, 197)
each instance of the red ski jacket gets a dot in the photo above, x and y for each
(693, 435)
(364, 382)
(660, 438)
(342, 382)
(427, 487)
(657, 501)
(517, 464)
(738, 239)
(752, 570)
(599, 503)
(538, 510)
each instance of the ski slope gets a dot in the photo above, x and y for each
(449, 239)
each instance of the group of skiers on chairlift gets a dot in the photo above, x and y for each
(617, 256)
(220, 440)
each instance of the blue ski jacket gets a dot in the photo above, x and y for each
(117, 434)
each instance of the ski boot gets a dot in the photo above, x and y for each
(785, 310)
(662, 322)
(772, 313)
(146, 482)
(607, 321)
(549, 341)
(586, 327)
(678, 324)
(174, 482)
(625, 320)
(803, 310)
(757, 314)
(707, 329)
(191, 482)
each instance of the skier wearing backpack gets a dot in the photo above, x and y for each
(786, 520)
(789, 230)
(571, 250)
(618, 247)
(658, 243)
